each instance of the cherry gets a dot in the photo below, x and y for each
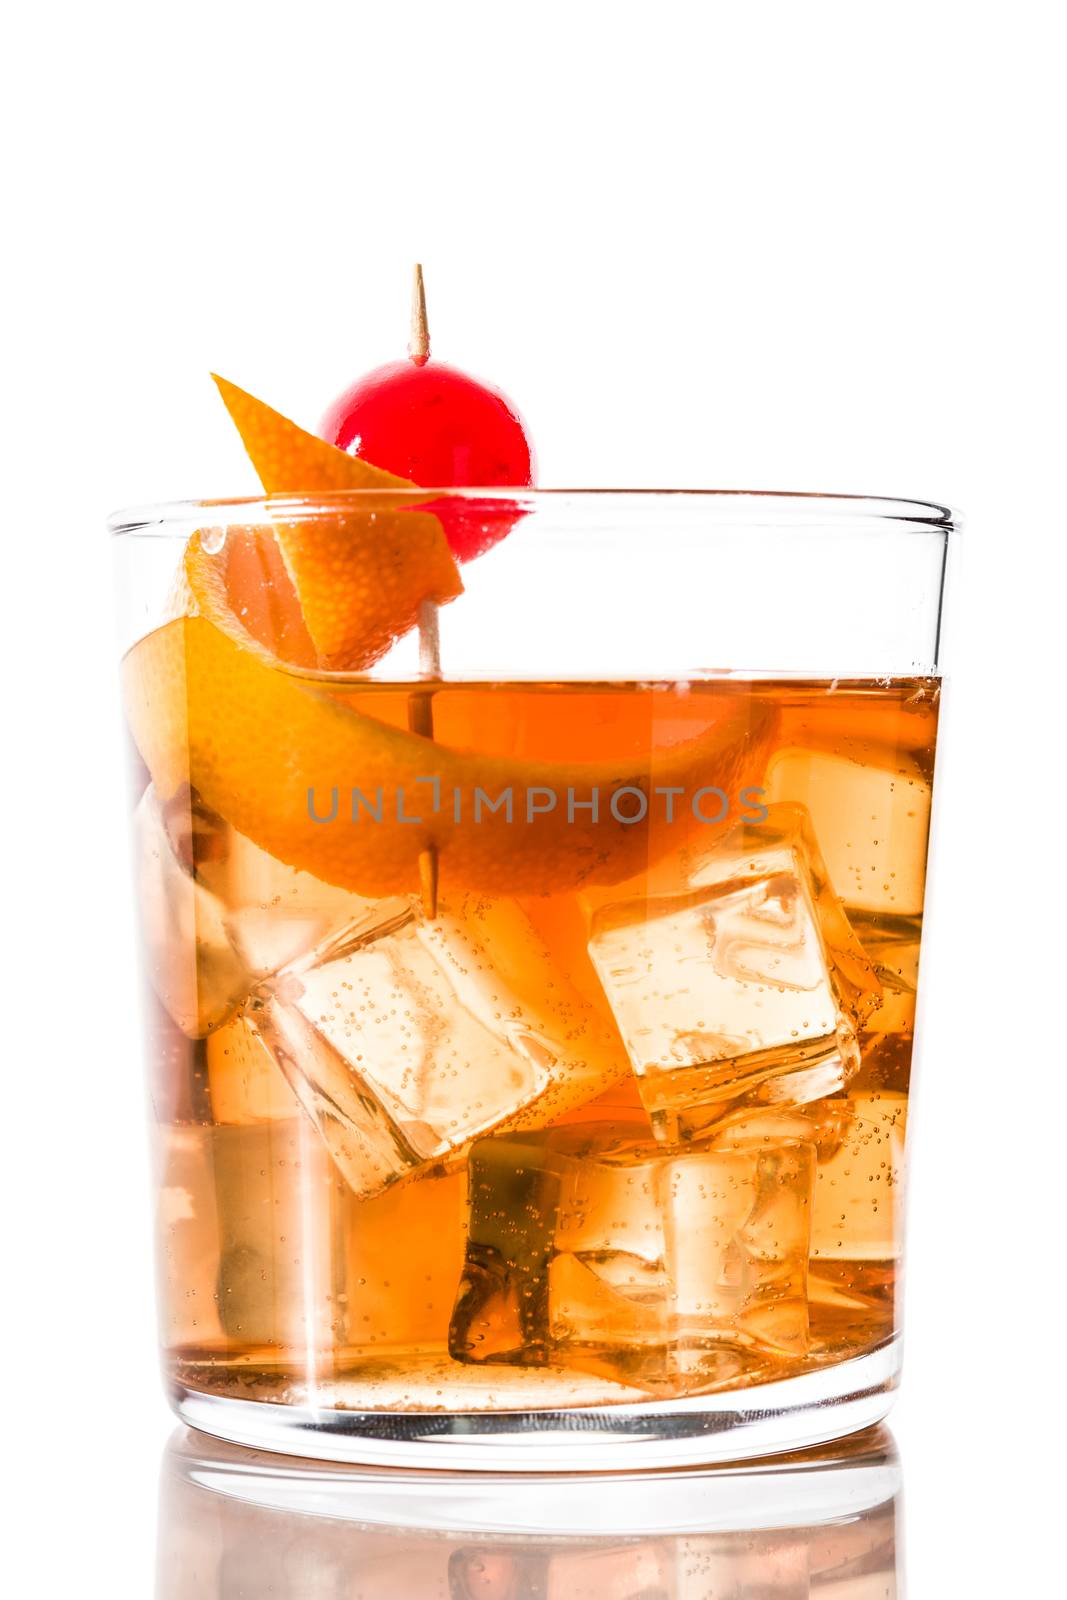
(432, 424)
(440, 428)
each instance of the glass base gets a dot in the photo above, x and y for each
(731, 1426)
(843, 1483)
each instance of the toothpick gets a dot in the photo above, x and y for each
(420, 721)
(419, 348)
(429, 640)
(420, 704)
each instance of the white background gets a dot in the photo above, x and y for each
(805, 246)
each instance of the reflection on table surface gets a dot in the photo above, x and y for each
(239, 1523)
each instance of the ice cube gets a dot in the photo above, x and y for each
(872, 821)
(218, 912)
(274, 913)
(859, 1189)
(281, 1275)
(747, 990)
(191, 962)
(245, 1082)
(186, 1237)
(822, 1123)
(669, 1270)
(856, 1212)
(408, 1037)
(249, 1223)
(262, 1243)
(178, 1082)
(893, 945)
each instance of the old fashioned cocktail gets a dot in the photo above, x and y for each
(530, 1045)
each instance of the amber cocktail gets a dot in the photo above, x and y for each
(531, 1038)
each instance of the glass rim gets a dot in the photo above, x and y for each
(726, 507)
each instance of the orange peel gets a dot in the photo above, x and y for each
(214, 709)
(359, 575)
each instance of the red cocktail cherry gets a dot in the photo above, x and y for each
(441, 429)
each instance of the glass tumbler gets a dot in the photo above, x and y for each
(531, 975)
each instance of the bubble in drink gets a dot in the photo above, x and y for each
(660, 1268)
(340, 1070)
(407, 1036)
(247, 1223)
(859, 1191)
(218, 912)
(871, 818)
(746, 990)
(892, 943)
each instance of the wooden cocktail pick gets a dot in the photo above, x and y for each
(420, 704)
